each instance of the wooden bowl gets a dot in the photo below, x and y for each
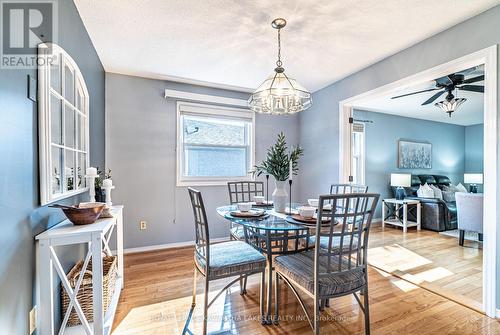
(83, 215)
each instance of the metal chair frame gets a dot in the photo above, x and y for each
(347, 188)
(272, 243)
(242, 191)
(202, 250)
(354, 223)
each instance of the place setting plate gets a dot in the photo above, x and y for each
(310, 221)
(251, 214)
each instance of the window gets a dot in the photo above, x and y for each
(214, 144)
(63, 105)
(358, 153)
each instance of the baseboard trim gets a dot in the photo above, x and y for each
(497, 313)
(167, 246)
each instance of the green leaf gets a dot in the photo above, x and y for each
(277, 162)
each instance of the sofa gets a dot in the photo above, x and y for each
(437, 214)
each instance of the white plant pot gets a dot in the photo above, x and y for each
(280, 197)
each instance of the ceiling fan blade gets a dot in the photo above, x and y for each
(407, 94)
(474, 79)
(469, 70)
(434, 97)
(472, 88)
(444, 81)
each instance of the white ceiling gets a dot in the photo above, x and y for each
(232, 43)
(469, 113)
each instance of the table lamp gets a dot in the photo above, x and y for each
(473, 179)
(400, 180)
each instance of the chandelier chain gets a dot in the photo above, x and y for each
(278, 62)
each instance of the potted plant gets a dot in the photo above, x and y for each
(278, 161)
(100, 194)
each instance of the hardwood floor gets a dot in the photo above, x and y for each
(430, 260)
(158, 288)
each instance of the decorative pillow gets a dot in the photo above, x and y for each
(438, 194)
(425, 191)
(449, 196)
(461, 188)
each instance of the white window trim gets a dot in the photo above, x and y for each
(44, 121)
(361, 177)
(210, 110)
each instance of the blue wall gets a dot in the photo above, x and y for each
(474, 148)
(448, 148)
(21, 216)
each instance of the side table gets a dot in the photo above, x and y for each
(394, 217)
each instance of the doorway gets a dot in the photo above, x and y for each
(488, 59)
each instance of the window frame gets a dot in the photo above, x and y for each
(46, 52)
(208, 110)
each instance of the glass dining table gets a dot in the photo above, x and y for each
(272, 234)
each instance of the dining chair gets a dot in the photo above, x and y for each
(340, 189)
(242, 191)
(220, 260)
(347, 188)
(331, 272)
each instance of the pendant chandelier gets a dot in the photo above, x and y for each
(279, 94)
(450, 104)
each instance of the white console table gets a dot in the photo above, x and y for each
(97, 237)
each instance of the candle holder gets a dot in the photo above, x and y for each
(107, 190)
(267, 190)
(91, 181)
(290, 182)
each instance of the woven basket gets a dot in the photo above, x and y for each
(84, 296)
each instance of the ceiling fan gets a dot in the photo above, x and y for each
(448, 84)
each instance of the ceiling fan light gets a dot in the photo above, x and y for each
(449, 106)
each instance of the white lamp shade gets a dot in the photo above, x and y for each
(401, 179)
(473, 178)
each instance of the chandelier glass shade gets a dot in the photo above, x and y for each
(449, 106)
(279, 94)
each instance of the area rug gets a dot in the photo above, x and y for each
(469, 235)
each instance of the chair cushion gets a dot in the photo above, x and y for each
(300, 268)
(231, 258)
(323, 243)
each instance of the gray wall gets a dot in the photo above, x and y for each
(22, 218)
(140, 150)
(319, 125)
(448, 148)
